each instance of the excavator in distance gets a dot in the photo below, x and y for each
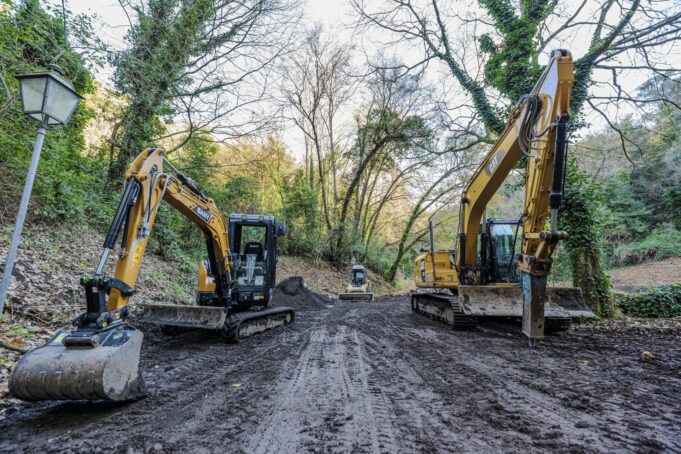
(98, 359)
(359, 288)
(484, 277)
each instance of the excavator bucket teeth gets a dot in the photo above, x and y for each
(498, 301)
(356, 296)
(106, 367)
(203, 317)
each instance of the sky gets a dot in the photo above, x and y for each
(336, 16)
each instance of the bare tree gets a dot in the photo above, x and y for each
(316, 86)
(206, 64)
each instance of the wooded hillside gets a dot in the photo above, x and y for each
(385, 142)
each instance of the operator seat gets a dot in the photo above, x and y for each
(254, 248)
(254, 253)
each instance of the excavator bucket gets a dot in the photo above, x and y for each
(70, 367)
(506, 301)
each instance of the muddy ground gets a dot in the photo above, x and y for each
(373, 377)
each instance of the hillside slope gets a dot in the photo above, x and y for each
(45, 294)
(647, 274)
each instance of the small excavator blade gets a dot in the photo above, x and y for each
(356, 296)
(102, 366)
(185, 316)
(507, 301)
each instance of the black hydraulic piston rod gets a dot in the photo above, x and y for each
(556, 196)
(130, 193)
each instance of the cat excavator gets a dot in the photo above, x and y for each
(486, 277)
(98, 358)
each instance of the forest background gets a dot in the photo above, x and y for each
(391, 117)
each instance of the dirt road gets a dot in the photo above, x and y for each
(373, 377)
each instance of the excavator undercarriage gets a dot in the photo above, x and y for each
(468, 305)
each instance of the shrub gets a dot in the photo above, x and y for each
(663, 301)
(663, 242)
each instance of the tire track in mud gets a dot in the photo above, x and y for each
(189, 380)
(327, 401)
(373, 377)
(407, 380)
(523, 409)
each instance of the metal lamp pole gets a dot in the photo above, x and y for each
(23, 207)
(49, 98)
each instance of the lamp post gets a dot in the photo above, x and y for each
(49, 98)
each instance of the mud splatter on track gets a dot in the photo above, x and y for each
(373, 377)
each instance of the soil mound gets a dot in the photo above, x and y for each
(293, 292)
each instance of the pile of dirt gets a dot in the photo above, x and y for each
(322, 277)
(292, 292)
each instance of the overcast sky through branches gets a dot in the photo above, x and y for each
(339, 20)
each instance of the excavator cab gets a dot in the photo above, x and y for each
(498, 251)
(253, 241)
(359, 276)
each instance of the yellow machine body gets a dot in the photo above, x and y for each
(359, 288)
(99, 359)
(535, 130)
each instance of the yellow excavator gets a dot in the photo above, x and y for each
(359, 288)
(485, 277)
(98, 358)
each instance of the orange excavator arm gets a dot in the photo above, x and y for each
(149, 180)
(532, 131)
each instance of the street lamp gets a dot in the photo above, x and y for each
(49, 98)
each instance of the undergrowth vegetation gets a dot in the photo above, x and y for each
(663, 301)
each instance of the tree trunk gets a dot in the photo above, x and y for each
(583, 245)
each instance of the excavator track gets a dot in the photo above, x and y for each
(558, 324)
(246, 324)
(443, 307)
(447, 308)
(175, 319)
